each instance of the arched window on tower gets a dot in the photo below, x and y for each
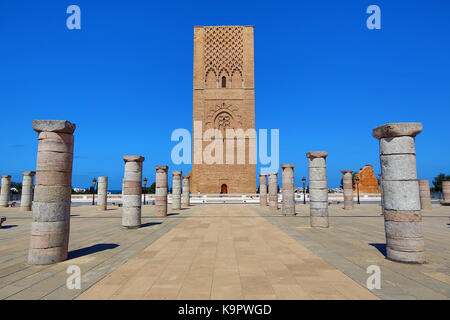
(224, 82)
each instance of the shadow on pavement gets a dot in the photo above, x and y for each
(92, 249)
(149, 224)
(9, 227)
(380, 247)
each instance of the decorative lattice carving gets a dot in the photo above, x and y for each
(222, 116)
(223, 120)
(223, 50)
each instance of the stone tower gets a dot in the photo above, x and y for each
(224, 98)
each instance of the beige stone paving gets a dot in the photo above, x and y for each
(356, 240)
(98, 244)
(226, 252)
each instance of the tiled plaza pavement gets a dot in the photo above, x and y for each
(98, 245)
(226, 252)
(356, 240)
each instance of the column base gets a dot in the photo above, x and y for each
(417, 257)
(160, 213)
(131, 227)
(319, 222)
(102, 207)
(28, 208)
(445, 203)
(47, 256)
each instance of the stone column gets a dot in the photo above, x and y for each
(425, 194)
(287, 182)
(402, 216)
(347, 183)
(102, 190)
(161, 191)
(263, 189)
(273, 191)
(6, 190)
(132, 192)
(185, 196)
(176, 190)
(381, 192)
(51, 206)
(27, 190)
(318, 188)
(445, 193)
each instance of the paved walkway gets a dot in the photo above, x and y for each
(98, 245)
(226, 252)
(356, 240)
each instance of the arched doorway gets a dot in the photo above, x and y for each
(224, 189)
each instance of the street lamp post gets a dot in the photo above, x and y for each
(145, 184)
(94, 182)
(304, 190)
(357, 187)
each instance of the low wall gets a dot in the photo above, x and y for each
(224, 198)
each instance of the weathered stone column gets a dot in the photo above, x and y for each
(347, 183)
(102, 190)
(51, 206)
(318, 189)
(381, 191)
(176, 190)
(161, 191)
(425, 194)
(402, 216)
(287, 181)
(26, 198)
(132, 192)
(263, 189)
(185, 196)
(273, 191)
(445, 193)
(6, 190)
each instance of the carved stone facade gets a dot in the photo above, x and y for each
(224, 98)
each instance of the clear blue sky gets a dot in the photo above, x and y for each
(321, 77)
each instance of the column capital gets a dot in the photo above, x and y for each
(6, 176)
(262, 174)
(397, 129)
(60, 126)
(317, 154)
(346, 171)
(287, 165)
(133, 159)
(162, 168)
(176, 173)
(28, 173)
